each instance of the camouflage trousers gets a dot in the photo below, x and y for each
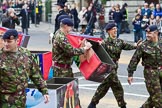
(13, 100)
(63, 72)
(154, 87)
(113, 82)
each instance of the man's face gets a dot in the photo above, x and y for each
(151, 35)
(10, 45)
(68, 29)
(113, 32)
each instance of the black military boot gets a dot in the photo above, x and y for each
(92, 105)
(124, 106)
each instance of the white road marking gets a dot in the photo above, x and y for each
(93, 85)
(87, 86)
(121, 76)
(130, 94)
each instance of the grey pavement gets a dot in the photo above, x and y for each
(135, 94)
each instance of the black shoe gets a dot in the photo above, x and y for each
(123, 107)
(92, 105)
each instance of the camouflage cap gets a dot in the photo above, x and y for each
(10, 34)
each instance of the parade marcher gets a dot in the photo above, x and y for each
(9, 19)
(61, 12)
(63, 52)
(16, 67)
(114, 47)
(151, 54)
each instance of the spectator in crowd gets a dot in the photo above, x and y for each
(89, 16)
(60, 8)
(4, 6)
(40, 11)
(144, 25)
(158, 22)
(101, 18)
(75, 18)
(83, 21)
(37, 14)
(111, 12)
(32, 9)
(67, 9)
(61, 1)
(152, 7)
(29, 9)
(152, 20)
(137, 27)
(9, 19)
(118, 16)
(125, 25)
(158, 10)
(146, 10)
(24, 19)
(138, 11)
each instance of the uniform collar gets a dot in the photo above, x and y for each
(111, 40)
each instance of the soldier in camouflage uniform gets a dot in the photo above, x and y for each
(63, 52)
(16, 67)
(151, 53)
(114, 47)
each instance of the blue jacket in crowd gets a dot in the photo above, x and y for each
(137, 24)
(157, 12)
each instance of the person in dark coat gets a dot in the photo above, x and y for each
(125, 25)
(117, 17)
(24, 19)
(61, 12)
(75, 18)
(61, 1)
(9, 19)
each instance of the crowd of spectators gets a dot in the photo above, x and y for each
(146, 15)
(32, 12)
(119, 15)
(149, 14)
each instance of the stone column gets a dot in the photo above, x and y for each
(43, 11)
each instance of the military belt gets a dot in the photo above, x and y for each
(151, 67)
(65, 66)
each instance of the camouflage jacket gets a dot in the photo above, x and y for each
(151, 54)
(114, 47)
(62, 51)
(15, 70)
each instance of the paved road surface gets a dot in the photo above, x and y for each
(135, 94)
